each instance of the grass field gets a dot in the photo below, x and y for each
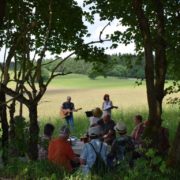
(87, 93)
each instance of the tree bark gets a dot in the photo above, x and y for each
(155, 68)
(5, 126)
(160, 57)
(33, 132)
(149, 59)
(12, 126)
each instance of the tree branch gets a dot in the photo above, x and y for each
(101, 32)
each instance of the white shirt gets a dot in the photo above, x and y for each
(93, 120)
(107, 106)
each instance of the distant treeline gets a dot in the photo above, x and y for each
(122, 66)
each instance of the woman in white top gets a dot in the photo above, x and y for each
(107, 104)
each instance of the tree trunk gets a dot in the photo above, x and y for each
(5, 127)
(144, 26)
(11, 113)
(160, 57)
(33, 132)
(155, 69)
(174, 155)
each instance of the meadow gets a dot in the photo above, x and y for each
(88, 94)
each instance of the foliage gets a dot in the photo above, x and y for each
(122, 66)
(148, 167)
(18, 143)
(32, 170)
(35, 27)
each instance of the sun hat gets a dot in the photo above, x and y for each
(95, 131)
(64, 131)
(120, 127)
(97, 112)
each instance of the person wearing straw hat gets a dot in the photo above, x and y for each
(88, 155)
(97, 114)
(60, 151)
(122, 145)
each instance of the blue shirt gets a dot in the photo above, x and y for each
(89, 155)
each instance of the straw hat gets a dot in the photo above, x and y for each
(97, 112)
(120, 127)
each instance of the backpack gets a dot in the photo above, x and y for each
(99, 167)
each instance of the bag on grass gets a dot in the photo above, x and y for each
(99, 167)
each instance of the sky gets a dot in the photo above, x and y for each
(95, 30)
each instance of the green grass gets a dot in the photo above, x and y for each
(171, 118)
(88, 94)
(76, 81)
(44, 170)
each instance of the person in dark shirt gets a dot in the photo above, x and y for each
(107, 125)
(122, 147)
(68, 108)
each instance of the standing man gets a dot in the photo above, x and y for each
(67, 111)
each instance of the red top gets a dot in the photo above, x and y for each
(60, 152)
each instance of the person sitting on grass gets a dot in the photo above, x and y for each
(97, 114)
(138, 131)
(122, 147)
(107, 125)
(90, 150)
(44, 141)
(60, 151)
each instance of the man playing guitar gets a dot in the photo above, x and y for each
(67, 110)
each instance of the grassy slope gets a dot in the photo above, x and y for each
(75, 81)
(88, 94)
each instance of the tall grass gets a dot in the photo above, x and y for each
(171, 117)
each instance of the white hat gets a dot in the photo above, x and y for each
(95, 131)
(120, 127)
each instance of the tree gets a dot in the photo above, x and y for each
(37, 27)
(153, 27)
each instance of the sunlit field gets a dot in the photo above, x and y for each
(88, 94)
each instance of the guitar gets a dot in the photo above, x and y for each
(111, 107)
(66, 112)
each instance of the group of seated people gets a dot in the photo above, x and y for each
(104, 136)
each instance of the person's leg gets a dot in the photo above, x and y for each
(71, 123)
(67, 121)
